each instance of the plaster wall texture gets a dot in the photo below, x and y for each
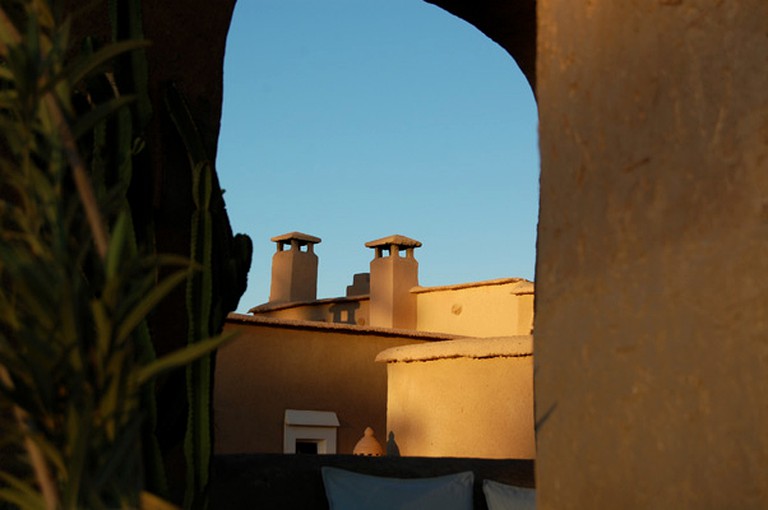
(270, 368)
(462, 406)
(480, 311)
(651, 296)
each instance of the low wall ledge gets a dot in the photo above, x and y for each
(472, 348)
(273, 307)
(338, 327)
(521, 286)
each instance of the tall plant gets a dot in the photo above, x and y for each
(74, 360)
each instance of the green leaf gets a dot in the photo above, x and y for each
(22, 500)
(185, 124)
(78, 437)
(5, 73)
(146, 305)
(182, 357)
(34, 285)
(87, 66)
(50, 451)
(104, 110)
(174, 260)
(110, 402)
(117, 245)
(9, 98)
(7, 35)
(103, 331)
(124, 447)
(20, 493)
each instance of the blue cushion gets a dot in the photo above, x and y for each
(500, 496)
(347, 490)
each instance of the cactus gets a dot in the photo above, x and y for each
(207, 302)
(197, 443)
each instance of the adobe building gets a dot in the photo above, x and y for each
(391, 297)
(438, 371)
(276, 368)
(469, 397)
(650, 302)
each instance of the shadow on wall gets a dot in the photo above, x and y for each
(344, 313)
(392, 449)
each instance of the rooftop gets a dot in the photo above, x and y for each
(336, 326)
(397, 239)
(272, 307)
(473, 348)
(299, 236)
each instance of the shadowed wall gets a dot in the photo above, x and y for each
(276, 365)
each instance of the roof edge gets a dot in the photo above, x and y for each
(273, 307)
(299, 236)
(523, 286)
(471, 348)
(397, 239)
(239, 318)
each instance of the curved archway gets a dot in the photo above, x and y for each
(511, 24)
(403, 116)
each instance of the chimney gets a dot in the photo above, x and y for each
(393, 274)
(361, 285)
(294, 268)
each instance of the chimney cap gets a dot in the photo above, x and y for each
(298, 236)
(397, 240)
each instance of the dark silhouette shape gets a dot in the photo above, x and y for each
(392, 449)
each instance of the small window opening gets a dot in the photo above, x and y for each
(306, 447)
(310, 432)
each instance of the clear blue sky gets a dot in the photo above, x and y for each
(355, 119)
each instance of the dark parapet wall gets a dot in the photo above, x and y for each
(295, 481)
